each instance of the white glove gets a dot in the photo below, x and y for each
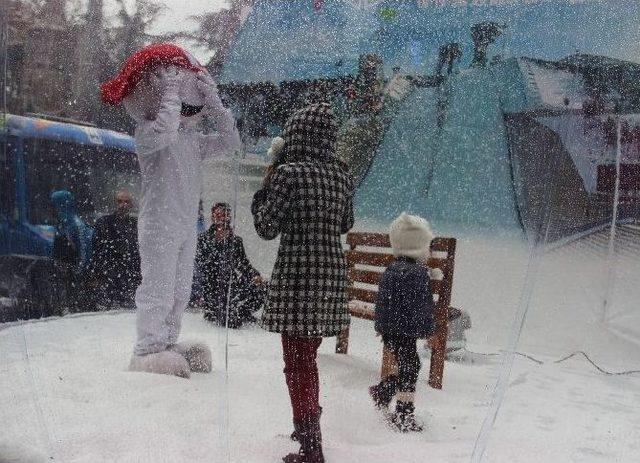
(208, 87)
(276, 146)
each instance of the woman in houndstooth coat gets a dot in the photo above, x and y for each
(307, 200)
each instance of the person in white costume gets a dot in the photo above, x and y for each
(166, 97)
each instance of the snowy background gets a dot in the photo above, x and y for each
(66, 393)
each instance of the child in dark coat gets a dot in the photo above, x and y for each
(404, 313)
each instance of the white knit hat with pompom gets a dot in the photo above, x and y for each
(411, 236)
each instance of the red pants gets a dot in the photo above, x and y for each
(301, 374)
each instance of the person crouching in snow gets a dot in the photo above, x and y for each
(307, 199)
(227, 272)
(403, 314)
(166, 91)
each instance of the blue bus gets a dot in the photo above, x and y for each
(39, 155)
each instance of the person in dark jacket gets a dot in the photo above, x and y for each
(221, 261)
(71, 253)
(72, 233)
(404, 313)
(307, 200)
(115, 262)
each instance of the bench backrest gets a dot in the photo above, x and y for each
(365, 266)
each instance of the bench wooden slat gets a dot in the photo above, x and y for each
(438, 244)
(362, 312)
(373, 278)
(368, 258)
(361, 294)
(434, 262)
(364, 276)
(368, 239)
(383, 260)
(443, 244)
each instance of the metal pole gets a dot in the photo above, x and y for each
(236, 164)
(4, 48)
(606, 306)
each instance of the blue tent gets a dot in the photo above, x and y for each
(290, 40)
(461, 170)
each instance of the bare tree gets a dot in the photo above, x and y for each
(133, 30)
(216, 30)
(59, 51)
(91, 63)
(41, 41)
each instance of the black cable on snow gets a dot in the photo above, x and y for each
(601, 370)
(580, 352)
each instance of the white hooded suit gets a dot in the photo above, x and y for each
(170, 149)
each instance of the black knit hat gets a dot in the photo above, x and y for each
(310, 134)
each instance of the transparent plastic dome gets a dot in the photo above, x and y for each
(511, 126)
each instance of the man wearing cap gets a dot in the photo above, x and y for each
(166, 91)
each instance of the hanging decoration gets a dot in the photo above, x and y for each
(387, 13)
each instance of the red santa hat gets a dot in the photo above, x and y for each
(137, 64)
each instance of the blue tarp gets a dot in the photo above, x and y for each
(289, 40)
(460, 172)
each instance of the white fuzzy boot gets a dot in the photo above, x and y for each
(163, 363)
(197, 354)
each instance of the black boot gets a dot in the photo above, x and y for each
(383, 392)
(294, 434)
(404, 419)
(310, 437)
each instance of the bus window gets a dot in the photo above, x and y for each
(7, 180)
(113, 170)
(93, 174)
(51, 166)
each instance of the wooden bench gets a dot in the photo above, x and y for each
(365, 269)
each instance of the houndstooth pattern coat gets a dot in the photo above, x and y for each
(309, 203)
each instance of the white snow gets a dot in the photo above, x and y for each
(552, 86)
(65, 392)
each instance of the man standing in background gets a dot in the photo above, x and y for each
(115, 263)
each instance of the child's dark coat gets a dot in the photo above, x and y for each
(404, 306)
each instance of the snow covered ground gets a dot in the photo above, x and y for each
(65, 392)
(95, 411)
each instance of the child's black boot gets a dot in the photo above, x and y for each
(383, 392)
(404, 419)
